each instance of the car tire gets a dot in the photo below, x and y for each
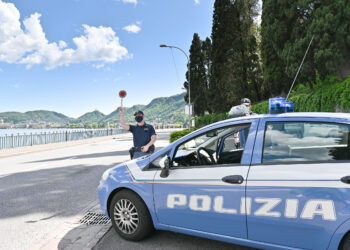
(130, 216)
(345, 243)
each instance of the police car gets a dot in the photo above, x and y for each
(276, 181)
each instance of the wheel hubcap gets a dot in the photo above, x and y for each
(126, 216)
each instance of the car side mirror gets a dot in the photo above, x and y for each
(164, 163)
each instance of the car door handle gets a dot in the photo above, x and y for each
(346, 179)
(233, 179)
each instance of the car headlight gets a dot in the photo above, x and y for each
(106, 174)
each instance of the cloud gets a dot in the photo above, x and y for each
(98, 66)
(130, 1)
(133, 28)
(196, 2)
(30, 46)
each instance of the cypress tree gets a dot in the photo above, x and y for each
(233, 47)
(198, 78)
(276, 29)
(206, 51)
(223, 35)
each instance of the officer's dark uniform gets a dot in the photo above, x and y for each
(142, 136)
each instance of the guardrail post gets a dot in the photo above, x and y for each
(45, 138)
(66, 135)
(31, 139)
(12, 141)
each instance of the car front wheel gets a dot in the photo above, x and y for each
(130, 216)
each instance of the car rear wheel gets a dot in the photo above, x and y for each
(130, 216)
(345, 243)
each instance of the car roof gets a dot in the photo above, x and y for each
(291, 114)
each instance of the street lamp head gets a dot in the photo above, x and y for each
(163, 46)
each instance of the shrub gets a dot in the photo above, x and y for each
(178, 134)
(330, 95)
(261, 107)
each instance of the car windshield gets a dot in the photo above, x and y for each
(201, 140)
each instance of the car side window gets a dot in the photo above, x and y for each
(306, 141)
(220, 146)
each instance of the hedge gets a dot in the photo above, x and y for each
(202, 121)
(178, 134)
(331, 95)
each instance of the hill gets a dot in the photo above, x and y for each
(35, 116)
(162, 109)
(92, 117)
(159, 110)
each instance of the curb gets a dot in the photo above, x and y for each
(75, 235)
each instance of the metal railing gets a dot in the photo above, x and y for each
(14, 141)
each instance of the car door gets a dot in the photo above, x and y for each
(199, 197)
(295, 191)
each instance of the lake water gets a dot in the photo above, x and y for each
(37, 131)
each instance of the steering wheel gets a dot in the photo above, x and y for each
(201, 160)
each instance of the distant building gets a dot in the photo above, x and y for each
(1, 121)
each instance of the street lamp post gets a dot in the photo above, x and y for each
(189, 78)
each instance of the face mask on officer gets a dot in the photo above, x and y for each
(138, 118)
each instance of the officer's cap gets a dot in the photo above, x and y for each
(245, 101)
(138, 112)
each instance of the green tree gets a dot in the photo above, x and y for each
(198, 79)
(287, 28)
(206, 50)
(233, 48)
(275, 31)
(331, 27)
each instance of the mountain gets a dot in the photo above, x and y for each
(162, 109)
(93, 117)
(34, 116)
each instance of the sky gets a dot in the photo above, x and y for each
(74, 56)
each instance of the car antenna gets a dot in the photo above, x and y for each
(307, 50)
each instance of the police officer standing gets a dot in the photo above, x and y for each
(144, 135)
(239, 142)
(247, 103)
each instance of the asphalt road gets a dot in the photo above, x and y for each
(162, 240)
(41, 192)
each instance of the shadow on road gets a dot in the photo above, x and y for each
(163, 240)
(62, 191)
(86, 156)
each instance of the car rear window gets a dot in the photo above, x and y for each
(306, 141)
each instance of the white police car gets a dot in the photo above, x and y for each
(278, 181)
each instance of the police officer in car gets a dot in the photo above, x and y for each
(144, 135)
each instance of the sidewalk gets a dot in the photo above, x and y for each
(82, 233)
(52, 146)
